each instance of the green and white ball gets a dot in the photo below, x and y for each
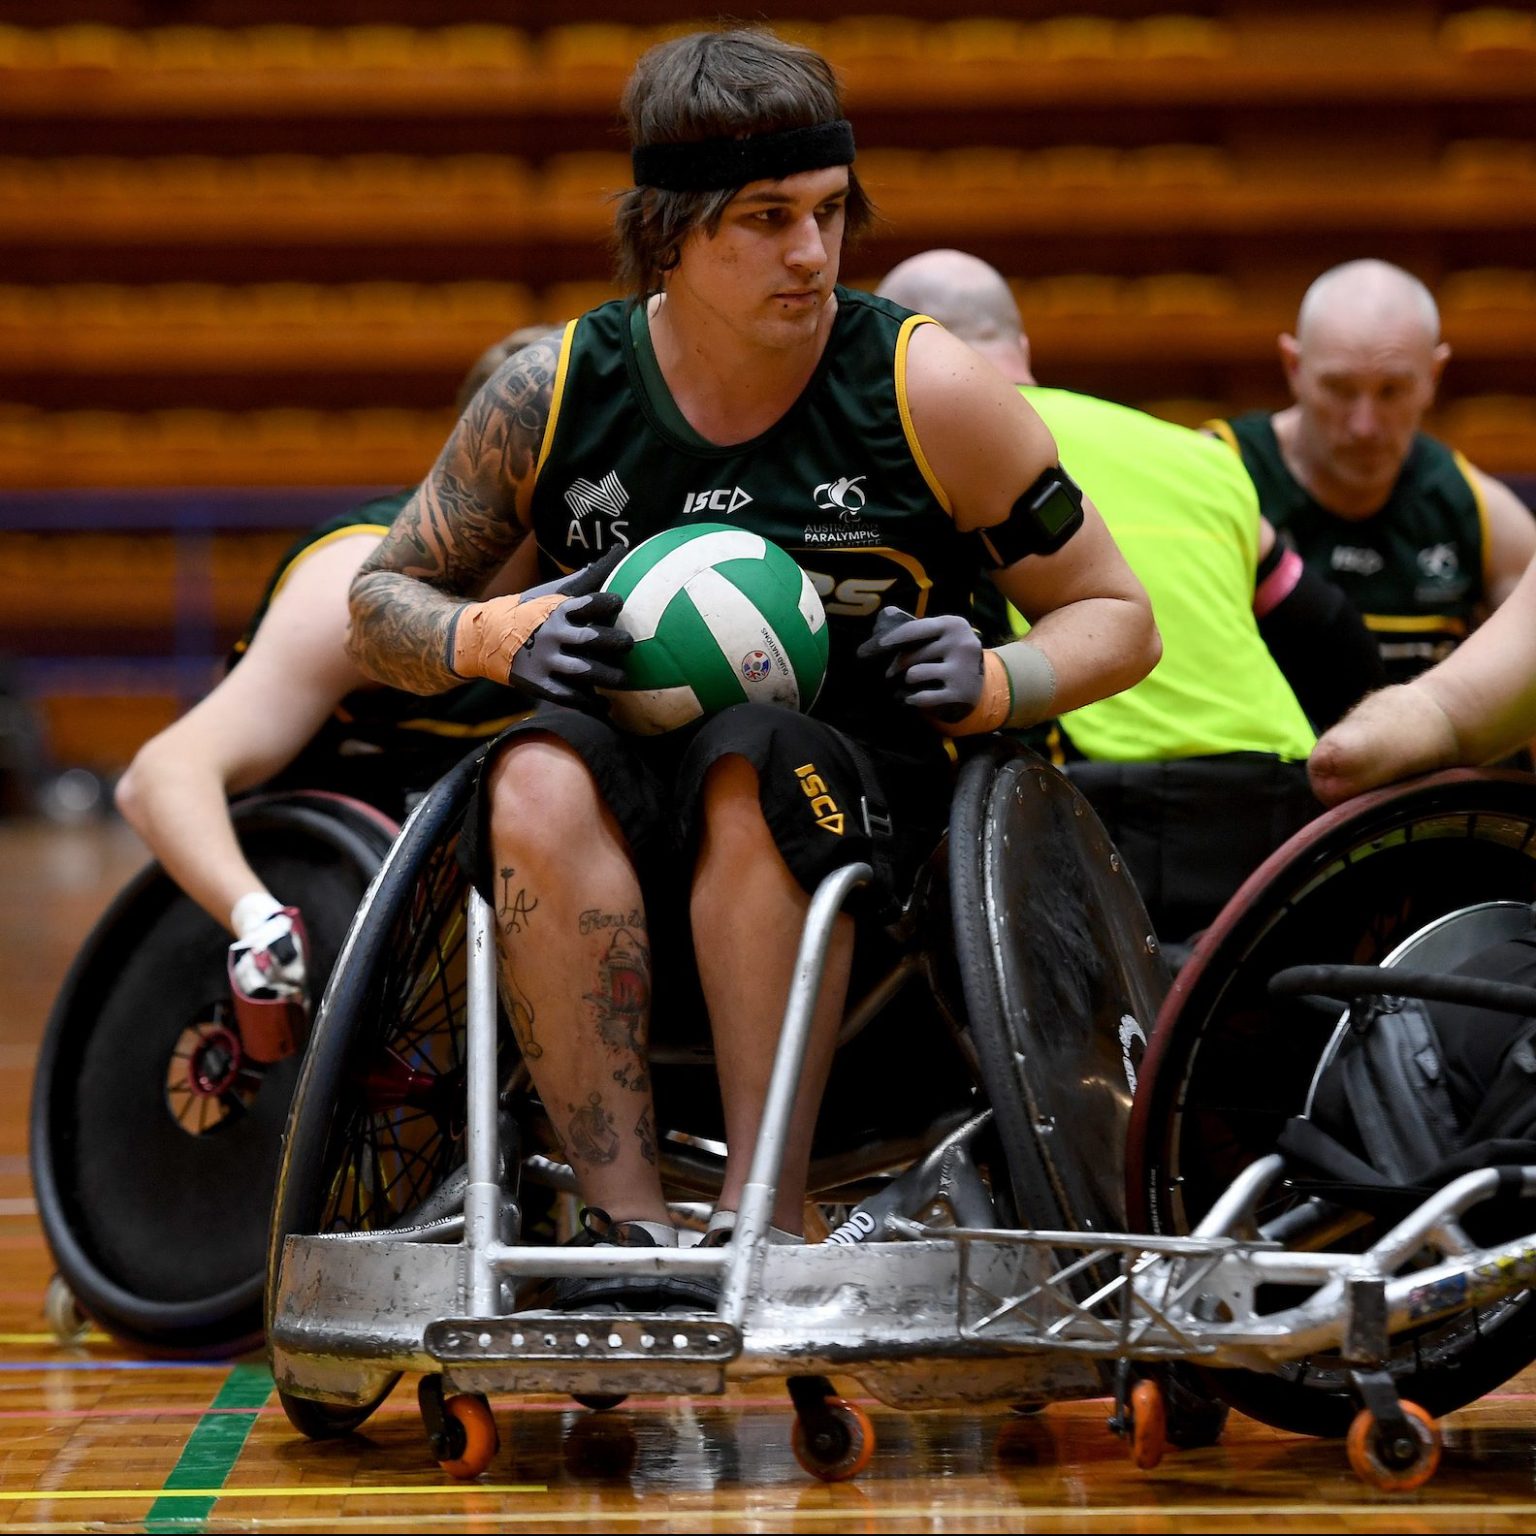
(720, 616)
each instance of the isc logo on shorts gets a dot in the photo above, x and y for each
(823, 806)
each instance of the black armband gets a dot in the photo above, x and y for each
(1041, 521)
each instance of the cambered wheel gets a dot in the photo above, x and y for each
(1228, 1064)
(1394, 1466)
(1149, 1424)
(1060, 936)
(154, 1143)
(377, 1120)
(833, 1441)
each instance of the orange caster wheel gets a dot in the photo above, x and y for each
(833, 1440)
(1397, 1466)
(461, 1429)
(1149, 1424)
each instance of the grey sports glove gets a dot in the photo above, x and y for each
(935, 663)
(556, 640)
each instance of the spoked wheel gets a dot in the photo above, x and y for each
(1394, 1464)
(377, 1121)
(1228, 1064)
(154, 1138)
(1061, 980)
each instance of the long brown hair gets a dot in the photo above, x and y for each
(715, 85)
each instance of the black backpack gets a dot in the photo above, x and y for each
(1422, 1088)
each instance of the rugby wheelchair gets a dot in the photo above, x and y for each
(154, 1133)
(973, 1156)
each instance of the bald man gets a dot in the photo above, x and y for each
(1421, 542)
(1198, 770)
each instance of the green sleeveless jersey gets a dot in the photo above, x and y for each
(838, 481)
(424, 735)
(1187, 521)
(1414, 569)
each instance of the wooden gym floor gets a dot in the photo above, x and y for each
(97, 1437)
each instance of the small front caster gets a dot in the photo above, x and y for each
(1394, 1464)
(460, 1429)
(66, 1321)
(832, 1438)
(1149, 1424)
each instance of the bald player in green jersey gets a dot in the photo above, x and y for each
(1197, 770)
(1422, 543)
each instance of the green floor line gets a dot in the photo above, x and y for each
(211, 1451)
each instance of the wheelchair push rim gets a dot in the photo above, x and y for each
(154, 1214)
(376, 1124)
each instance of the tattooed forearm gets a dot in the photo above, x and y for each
(458, 529)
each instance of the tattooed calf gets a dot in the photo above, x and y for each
(593, 920)
(517, 910)
(645, 1131)
(520, 1012)
(591, 1135)
(623, 998)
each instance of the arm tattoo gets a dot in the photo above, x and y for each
(458, 528)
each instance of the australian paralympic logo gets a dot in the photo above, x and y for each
(756, 665)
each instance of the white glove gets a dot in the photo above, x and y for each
(268, 963)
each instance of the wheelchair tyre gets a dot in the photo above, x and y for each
(1057, 966)
(1346, 889)
(153, 1196)
(377, 1118)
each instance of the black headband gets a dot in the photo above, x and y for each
(709, 165)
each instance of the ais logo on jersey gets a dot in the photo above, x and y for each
(597, 520)
(722, 500)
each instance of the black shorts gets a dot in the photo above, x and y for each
(1192, 829)
(828, 800)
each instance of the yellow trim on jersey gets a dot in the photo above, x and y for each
(451, 728)
(333, 537)
(903, 338)
(1222, 430)
(1482, 515)
(1407, 624)
(556, 397)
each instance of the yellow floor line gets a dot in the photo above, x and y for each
(867, 1507)
(297, 1490)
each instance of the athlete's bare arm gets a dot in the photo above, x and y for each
(986, 446)
(1511, 541)
(254, 723)
(468, 516)
(1476, 706)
